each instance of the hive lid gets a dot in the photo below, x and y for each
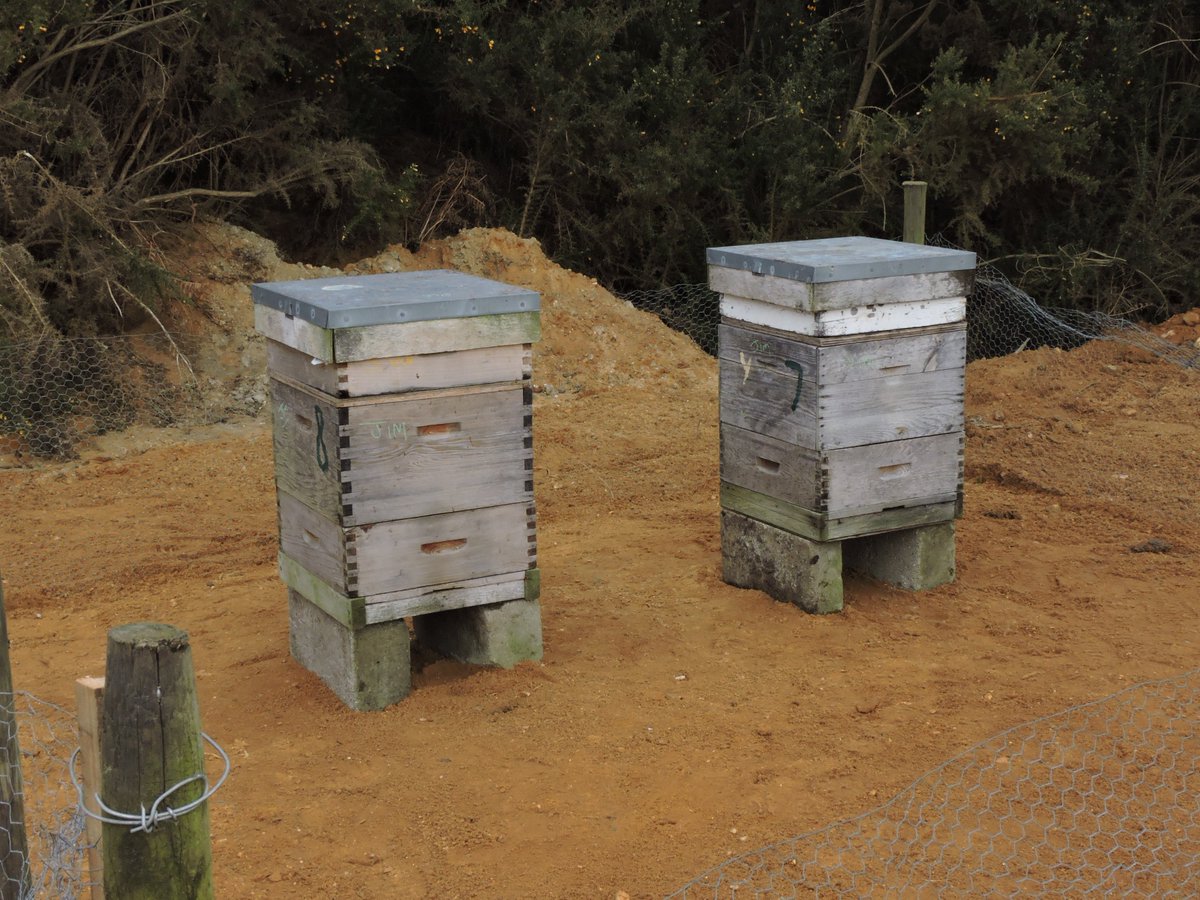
(840, 259)
(358, 300)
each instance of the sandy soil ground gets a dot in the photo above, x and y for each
(674, 721)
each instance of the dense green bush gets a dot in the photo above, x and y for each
(1058, 138)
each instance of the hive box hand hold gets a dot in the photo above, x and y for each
(403, 441)
(841, 375)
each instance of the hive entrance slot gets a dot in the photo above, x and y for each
(441, 428)
(443, 546)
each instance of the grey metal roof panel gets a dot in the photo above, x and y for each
(358, 300)
(840, 259)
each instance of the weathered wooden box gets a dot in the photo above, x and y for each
(403, 438)
(841, 367)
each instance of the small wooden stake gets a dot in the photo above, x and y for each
(150, 742)
(914, 211)
(89, 695)
(14, 850)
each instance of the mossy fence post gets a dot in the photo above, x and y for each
(14, 849)
(151, 742)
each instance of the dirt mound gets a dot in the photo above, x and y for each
(675, 721)
(1183, 328)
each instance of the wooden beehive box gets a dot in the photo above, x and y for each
(403, 440)
(841, 366)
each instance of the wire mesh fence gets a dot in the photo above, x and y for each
(1001, 319)
(47, 811)
(1100, 799)
(56, 392)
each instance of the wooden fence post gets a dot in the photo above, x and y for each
(89, 695)
(914, 211)
(150, 742)
(14, 848)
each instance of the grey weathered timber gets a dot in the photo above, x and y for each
(770, 384)
(915, 559)
(783, 565)
(311, 340)
(316, 543)
(357, 612)
(368, 668)
(840, 259)
(400, 374)
(844, 482)
(767, 465)
(876, 477)
(914, 211)
(398, 339)
(348, 301)
(844, 393)
(444, 548)
(403, 455)
(289, 364)
(816, 526)
(501, 634)
(14, 847)
(408, 553)
(151, 742)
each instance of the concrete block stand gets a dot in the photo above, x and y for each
(786, 566)
(915, 559)
(368, 668)
(502, 634)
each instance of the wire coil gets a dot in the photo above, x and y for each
(146, 820)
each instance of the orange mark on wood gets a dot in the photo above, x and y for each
(443, 546)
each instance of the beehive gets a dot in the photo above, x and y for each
(403, 439)
(841, 369)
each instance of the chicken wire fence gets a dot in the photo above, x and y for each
(57, 392)
(1101, 799)
(1001, 319)
(48, 811)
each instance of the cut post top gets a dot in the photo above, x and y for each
(840, 259)
(364, 300)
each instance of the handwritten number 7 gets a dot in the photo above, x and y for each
(799, 370)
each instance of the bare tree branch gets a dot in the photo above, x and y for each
(22, 82)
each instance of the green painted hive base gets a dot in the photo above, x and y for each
(808, 573)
